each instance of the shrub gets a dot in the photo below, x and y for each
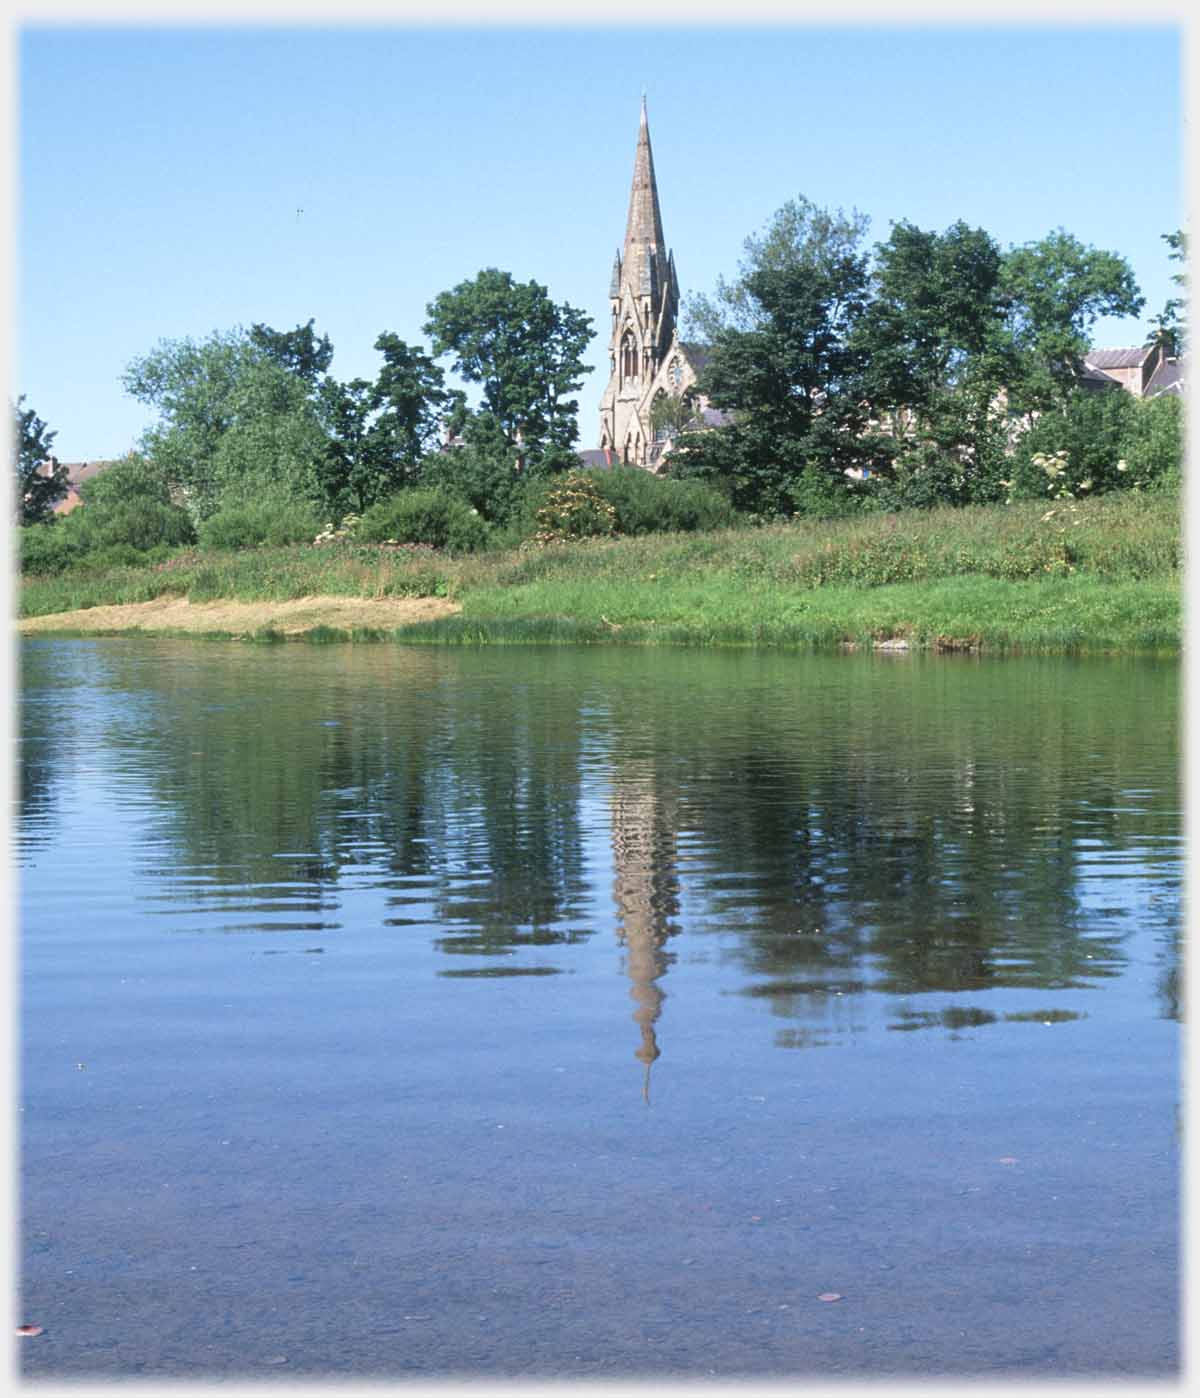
(573, 508)
(818, 495)
(1091, 430)
(1152, 445)
(647, 504)
(46, 548)
(424, 516)
(248, 525)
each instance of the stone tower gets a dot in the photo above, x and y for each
(645, 355)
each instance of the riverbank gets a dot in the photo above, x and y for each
(297, 617)
(1099, 576)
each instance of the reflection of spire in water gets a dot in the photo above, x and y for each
(646, 892)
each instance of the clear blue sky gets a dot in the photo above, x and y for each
(161, 170)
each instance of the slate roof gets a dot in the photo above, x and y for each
(1167, 378)
(697, 355)
(1128, 358)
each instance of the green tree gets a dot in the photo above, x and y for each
(299, 351)
(938, 353)
(525, 352)
(482, 466)
(785, 359)
(234, 423)
(41, 481)
(672, 414)
(380, 433)
(1171, 323)
(1055, 291)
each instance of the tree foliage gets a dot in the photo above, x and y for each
(785, 358)
(524, 352)
(298, 351)
(234, 422)
(1055, 291)
(41, 481)
(381, 432)
(1171, 324)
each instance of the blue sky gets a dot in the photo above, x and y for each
(161, 171)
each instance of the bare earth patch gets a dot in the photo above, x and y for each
(290, 618)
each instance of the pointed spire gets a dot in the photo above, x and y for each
(644, 225)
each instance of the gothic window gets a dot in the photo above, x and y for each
(629, 357)
(662, 429)
(676, 372)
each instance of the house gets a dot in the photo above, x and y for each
(1143, 370)
(78, 473)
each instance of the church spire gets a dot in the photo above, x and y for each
(644, 225)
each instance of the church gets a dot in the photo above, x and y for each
(649, 364)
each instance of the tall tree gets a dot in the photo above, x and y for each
(299, 351)
(939, 352)
(41, 482)
(524, 351)
(381, 432)
(234, 423)
(784, 358)
(1056, 289)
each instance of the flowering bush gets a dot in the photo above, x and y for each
(573, 508)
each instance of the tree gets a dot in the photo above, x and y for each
(785, 360)
(410, 394)
(41, 481)
(1171, 324)
(939, 352)
(936, 318)
(525, 352)
(1055, 290)
(299, 351)
(380, 433)
(235, 423)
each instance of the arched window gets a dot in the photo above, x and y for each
(658, 419)
(629, 356)
(676, 371)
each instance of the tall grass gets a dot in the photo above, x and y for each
(1100, 574)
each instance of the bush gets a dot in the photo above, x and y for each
(818, 495)
(1091, 430)
(424, 516)
(125, 482)
(573, 508)
(247, 526)
(135, 523)
(46, 548)
(647, 504)
(1152, 445)
(127, 508)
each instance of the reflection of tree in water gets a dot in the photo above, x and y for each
(511, 820)
(645, 891)
(873, 872)
(277, 783)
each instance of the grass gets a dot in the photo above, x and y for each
(1093, 576)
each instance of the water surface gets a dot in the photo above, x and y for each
(399, 1012)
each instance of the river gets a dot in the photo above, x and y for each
(413, 1011)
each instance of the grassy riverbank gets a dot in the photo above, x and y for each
(1093, 576)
